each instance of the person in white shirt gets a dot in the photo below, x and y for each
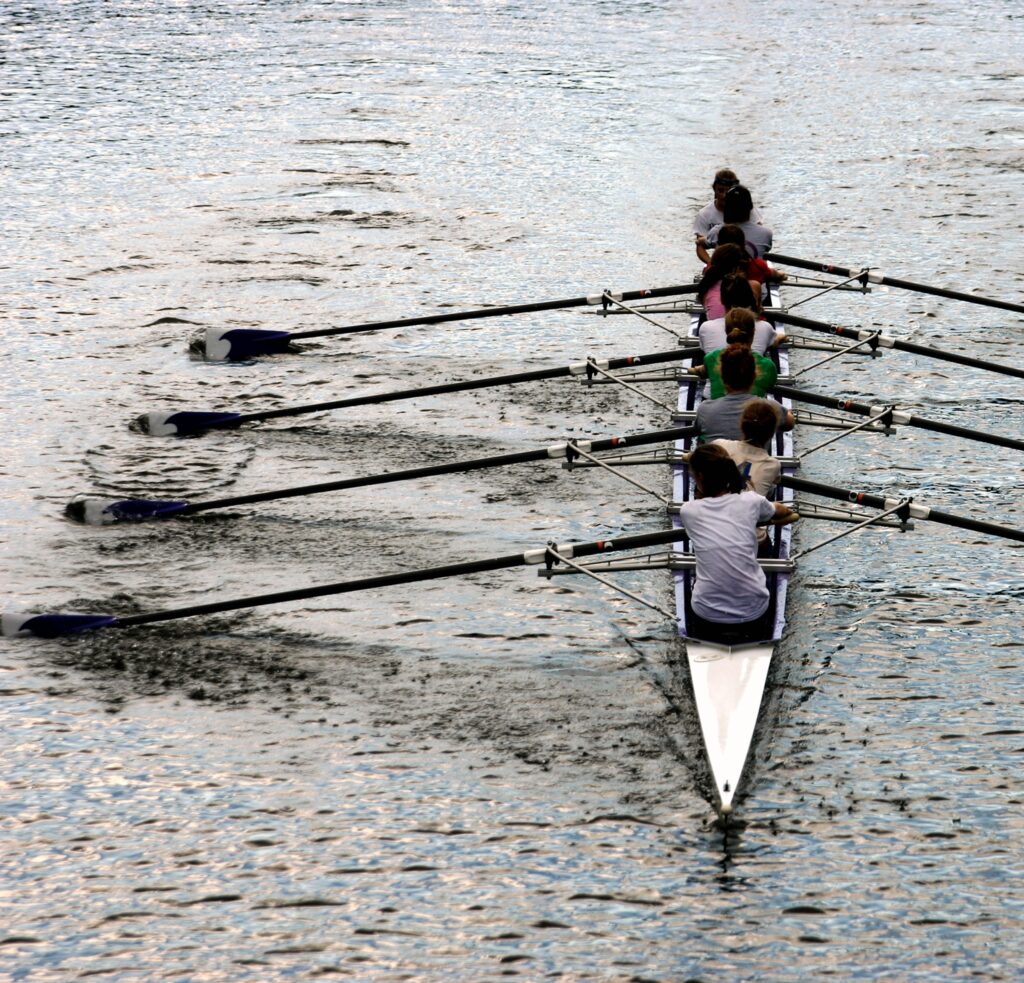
(730, 599)
(713, 213)
(758, 423)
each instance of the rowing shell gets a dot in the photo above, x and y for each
(729, 680)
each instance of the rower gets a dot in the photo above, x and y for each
(712, 214)
(735, 293)
(757, 269)
(727, 260)
(758, 423)
(719, 419)
(738, 209)
(730, 600)
(741, 328)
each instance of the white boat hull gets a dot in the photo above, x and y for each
(728, 683)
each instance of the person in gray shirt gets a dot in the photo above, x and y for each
(719, 419)
(738, 209)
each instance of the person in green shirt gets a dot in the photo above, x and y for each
(739, 327)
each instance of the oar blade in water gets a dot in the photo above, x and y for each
(53, 625)
(240, 344)
(105, 511)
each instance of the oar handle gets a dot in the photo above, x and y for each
(545, 305)
(916, 510)
(889, 281)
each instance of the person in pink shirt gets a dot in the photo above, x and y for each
(726, 260)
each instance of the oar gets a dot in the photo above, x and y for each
(51, 625)
(166, 424)
(884, 341)
(102, 512)
(874, 277)
(242, 343)
(915, 510)
(900, 417)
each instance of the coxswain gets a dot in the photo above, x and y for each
(712, 214)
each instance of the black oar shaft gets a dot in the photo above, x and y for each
(546, 305)
(903, 418)
(452, 387)
(878, 502)
(924, 288)
(432, 470)
(574, 550)
(904, 346)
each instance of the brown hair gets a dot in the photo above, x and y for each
(725, 261)
(739, 326)
(731, 232)
(737, 292)
(716, 470)
(759, 421)
(737, 367)
(738, 205)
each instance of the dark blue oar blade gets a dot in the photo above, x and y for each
(52, 625)
(104, 512)
(185, 422)
(238, 344)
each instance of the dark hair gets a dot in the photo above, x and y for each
(759, 421)
(717, 471)
(738, 367)
(726, 177)
(724, 260)
(737, 292)
(739, 326)
(738, 205)
(731, 232)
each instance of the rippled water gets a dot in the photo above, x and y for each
(489, 777)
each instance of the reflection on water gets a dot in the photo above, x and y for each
(497, 776)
